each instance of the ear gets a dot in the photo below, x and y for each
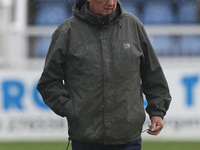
(88, 0)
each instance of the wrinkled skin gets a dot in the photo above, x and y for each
(102, 7)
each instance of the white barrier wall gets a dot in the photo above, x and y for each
(23, 115)
(182, 121)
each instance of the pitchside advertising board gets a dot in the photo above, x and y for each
(24, 116)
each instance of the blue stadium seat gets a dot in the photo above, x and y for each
(163, 45)
(190, 45)
(131, 7)
(41, 46)
(157, 12)
(71, 1)
(51, 15)
(188, 12)
(46, 2)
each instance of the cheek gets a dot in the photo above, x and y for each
(115, 6)
(101, 9)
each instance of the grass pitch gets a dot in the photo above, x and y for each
(171, 146)
(62, 145)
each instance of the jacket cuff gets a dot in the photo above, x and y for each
(157, 113)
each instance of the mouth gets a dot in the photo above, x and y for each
(108, 9)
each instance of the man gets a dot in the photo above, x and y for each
(98, 65)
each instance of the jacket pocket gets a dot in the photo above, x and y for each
(69, 110)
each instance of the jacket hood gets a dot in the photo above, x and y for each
(80, 10)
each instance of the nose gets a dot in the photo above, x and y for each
(111, 2)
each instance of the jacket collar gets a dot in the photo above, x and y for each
(81, 10)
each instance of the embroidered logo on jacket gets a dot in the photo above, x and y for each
(127, 45)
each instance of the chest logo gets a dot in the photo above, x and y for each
(127, 45)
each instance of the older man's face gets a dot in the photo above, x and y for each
(102, 7)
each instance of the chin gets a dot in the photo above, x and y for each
(106, 13)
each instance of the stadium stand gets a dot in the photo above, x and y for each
(51, 12)
(163, 45)
(187, 12)
(154, 12)
(158, 13)
(131, 7)
(51, 15)
(189, 45)
(41, 46)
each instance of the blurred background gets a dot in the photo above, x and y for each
(25, 34)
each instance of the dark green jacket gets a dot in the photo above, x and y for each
(96, 72)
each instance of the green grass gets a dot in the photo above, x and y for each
(33, 146)
(62, 146)
(171, 146)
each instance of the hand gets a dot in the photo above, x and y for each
(156, 125)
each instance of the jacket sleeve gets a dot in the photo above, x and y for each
(50, 85)
(154, 84)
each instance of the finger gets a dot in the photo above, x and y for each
(153, 132)
(156, 131)
(153, 126)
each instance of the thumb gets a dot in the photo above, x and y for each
(152, 126)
